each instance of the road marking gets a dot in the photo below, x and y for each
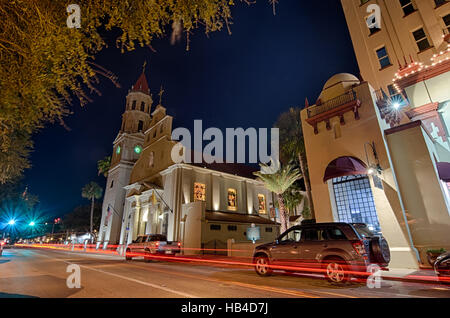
(239, 284)
(246, 285)
(142, 283)
(129, 279)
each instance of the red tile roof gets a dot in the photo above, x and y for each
(141, 85)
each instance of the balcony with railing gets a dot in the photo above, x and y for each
(336, 107)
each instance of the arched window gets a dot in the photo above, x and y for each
(133, 107)
(142, 107)
(140, 125)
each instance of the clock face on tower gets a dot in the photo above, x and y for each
(138, 149)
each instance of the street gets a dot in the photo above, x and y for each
(43, 273)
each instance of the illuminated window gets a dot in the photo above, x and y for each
(199, 192)
(232, 198)
(118, 150)
(355, 202)
(262, 204)
(138, 149)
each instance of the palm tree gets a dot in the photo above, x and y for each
(293, 146)
(279, 183)
(293, 197)
(103, 166)
(92, 191)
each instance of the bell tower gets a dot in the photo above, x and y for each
(127, 148)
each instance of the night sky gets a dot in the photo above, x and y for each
(267, 65)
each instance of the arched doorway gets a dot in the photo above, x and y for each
(353, 195)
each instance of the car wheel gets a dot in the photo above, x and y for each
(335, 271)
(262, 266)
(127, 255)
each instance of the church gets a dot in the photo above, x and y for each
(200, 205)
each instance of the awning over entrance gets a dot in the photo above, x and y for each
(344, 166)
(444, 171)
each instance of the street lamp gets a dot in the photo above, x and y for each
(32, 223)
(12, 222)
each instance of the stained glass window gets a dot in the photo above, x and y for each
(232, 198)
(199, 192)
(262, 204)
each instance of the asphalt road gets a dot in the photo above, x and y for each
(43, 273)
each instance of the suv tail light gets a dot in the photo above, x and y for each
(157, 244)
(179, 244)
(359, 247)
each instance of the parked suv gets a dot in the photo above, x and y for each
(152, 244)
(339, 250)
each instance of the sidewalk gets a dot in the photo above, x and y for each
(426, 276)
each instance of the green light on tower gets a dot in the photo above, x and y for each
(138, 149)
(118, 150)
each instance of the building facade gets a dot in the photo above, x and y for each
(366, 168)
(408, 30)
(200, 205)
(127, 148)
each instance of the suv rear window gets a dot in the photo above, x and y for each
(363, 230)
(336, 234)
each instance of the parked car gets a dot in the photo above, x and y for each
(153, 244)
(339, 250)
(2, 243)
(442, 265)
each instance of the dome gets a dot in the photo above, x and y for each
(338, 85)
(341, 78)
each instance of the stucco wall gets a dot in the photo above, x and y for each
(424, 201)
(324, 147)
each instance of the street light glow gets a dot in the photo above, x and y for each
(32, 223)
(11, 222)
(396, 105)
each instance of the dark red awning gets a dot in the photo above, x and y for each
(444, 171)
(344, 166)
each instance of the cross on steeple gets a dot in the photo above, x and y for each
(143, 66)
(160, 94)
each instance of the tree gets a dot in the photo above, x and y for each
(44, 64)
(92, 191)
(279, 183)
(78, 219)
(293, 197)
(103, 166)
(292, 146)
